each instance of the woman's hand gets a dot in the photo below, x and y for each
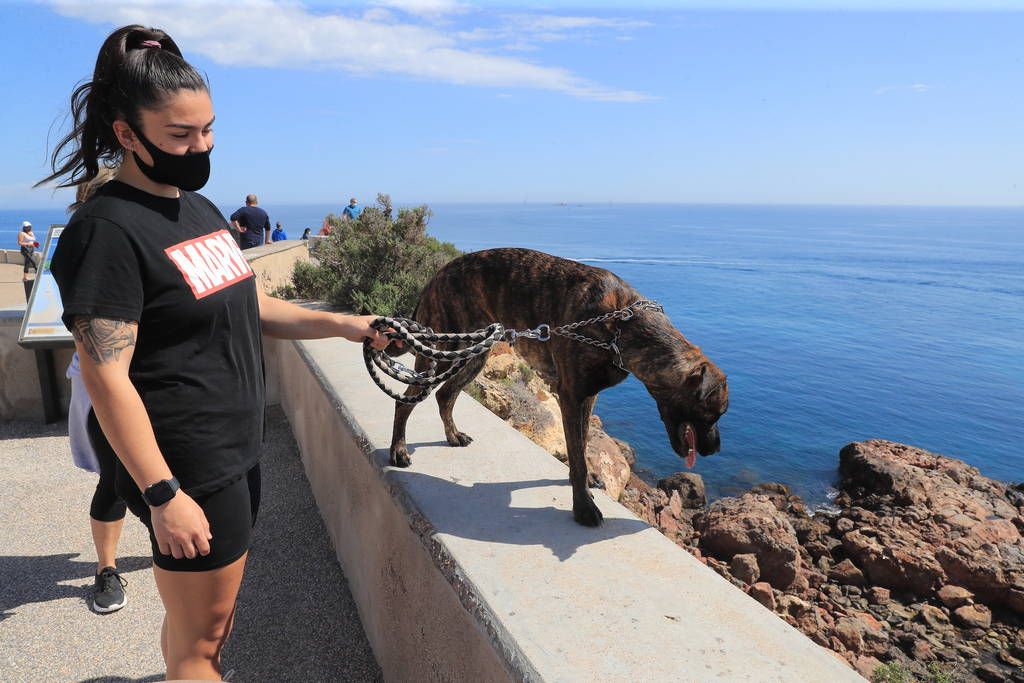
(181, 528)
(356, 328)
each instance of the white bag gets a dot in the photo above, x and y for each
(82, 452)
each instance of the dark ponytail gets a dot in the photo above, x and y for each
(131, 74)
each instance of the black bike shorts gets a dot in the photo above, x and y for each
(231, 512)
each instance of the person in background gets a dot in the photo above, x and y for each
(27, 243)
(107, 510)
(351, 211)
(305, 233)
(325, 229)
(278, 234)
(252, 223)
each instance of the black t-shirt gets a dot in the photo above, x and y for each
(173, 266)
(255, 220)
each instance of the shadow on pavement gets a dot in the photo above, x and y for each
(40, 578)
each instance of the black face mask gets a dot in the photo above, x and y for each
(184, 171)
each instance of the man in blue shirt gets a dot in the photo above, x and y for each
(252, 223)
(279, 233)
(352, 211)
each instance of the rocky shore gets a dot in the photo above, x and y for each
(917, 576)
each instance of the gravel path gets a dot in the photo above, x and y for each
(296, 619)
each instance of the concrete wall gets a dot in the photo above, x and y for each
(20, 394)
(468, 566)
(12, 256)
(274, 263)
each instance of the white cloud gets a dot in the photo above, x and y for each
(914, 87)
(522, 31)
(287, 35)
(427, 8)
(557, 23)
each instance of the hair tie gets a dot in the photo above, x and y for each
(151, 43)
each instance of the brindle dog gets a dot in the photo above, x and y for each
(521, 289)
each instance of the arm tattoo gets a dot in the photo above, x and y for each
(104, 339)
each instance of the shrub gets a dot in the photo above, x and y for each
(526, 372)
(376, 264)
(892, 672)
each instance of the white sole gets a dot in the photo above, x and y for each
(112, 608)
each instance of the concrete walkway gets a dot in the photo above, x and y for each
(296, 619)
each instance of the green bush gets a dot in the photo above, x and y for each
(891, 673)
(376, 264)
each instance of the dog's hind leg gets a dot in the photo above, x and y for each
(576, 425)
(399, 453)
(449, 393)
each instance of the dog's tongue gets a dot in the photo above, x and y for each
(691, 447)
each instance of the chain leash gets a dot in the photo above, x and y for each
(480, 342)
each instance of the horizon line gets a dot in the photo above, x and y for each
(412, 203)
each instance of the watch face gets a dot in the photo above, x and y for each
(159, 493)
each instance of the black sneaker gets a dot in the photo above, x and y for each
(108, 591)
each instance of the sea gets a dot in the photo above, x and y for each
(833, 324)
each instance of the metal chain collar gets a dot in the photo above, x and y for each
(622, 314)
(413, 335)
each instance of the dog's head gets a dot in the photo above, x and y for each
(690, 410)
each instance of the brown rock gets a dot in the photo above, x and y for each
(991, 673)
(817, 550)
(954, 596)
(500, 365)
(744, 567)
(762, 592)
(933, 617)
(973, 616)
(675, 503)
(897, 563)
(921, 650)
(861, 633)
(847, 574)
(606, 463)
(668, 523)
(938, 519)
(804, 616)
(878, 595)
(690, 487)
(643, 500)
(751, 524)
(865, 666)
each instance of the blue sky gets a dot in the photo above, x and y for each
(822, 102)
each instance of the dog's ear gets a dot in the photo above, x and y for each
(710, 381)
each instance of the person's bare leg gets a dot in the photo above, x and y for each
(105, 536)
(200, 609)
(163, 639)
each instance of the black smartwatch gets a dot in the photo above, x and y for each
(161, 492)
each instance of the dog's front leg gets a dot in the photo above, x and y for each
(399, 453)
(576, 425)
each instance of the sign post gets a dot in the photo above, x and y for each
(42, 329)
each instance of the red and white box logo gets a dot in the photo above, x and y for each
(210, 263)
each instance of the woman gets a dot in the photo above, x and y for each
(107, 510)
(27, 243)
(167, 319)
